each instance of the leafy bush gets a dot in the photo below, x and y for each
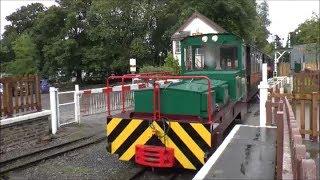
(172, 63)
(148, 69)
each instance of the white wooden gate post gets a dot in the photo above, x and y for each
(76, 103)
(54, 109)
(263, 95)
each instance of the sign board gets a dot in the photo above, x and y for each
(133, 67)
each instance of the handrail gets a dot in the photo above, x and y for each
(166, 77)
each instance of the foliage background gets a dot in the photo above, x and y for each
(96, 38)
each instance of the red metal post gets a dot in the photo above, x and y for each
(156, 101)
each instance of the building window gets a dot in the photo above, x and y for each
(178, 48)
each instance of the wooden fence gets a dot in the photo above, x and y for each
(306, 93)
(306, 82)
(284, 69)
(292, 162)
(312, 66)
(305, 99)
(20, 95)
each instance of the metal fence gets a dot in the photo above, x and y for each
(73, 106)
(96, 101)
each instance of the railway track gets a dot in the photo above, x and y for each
(47, 153)
(162, 174)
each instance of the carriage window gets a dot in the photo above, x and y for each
(228, 58)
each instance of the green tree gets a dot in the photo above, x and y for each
(26, 57)
(98, 37)
(24, 18)
(21, 21)
(307, 32)
(172, 63)
(60, 56)
(47, 28)
(261, 33)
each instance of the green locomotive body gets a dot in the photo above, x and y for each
(189, 97)
(181, 124)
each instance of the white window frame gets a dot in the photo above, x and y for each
(178, 47)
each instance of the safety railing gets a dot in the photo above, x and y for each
(154, 81)
(19, 95)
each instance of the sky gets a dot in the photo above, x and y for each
(285, 15)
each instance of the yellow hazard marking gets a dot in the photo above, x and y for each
(144, 137)
(203, 132)
(112, 125)
(184, 161)
(188, 141)
(125, 134)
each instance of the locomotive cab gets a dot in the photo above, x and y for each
(222, 58)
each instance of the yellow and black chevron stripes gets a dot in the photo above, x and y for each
(190, 140)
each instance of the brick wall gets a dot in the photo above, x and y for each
(23, 134)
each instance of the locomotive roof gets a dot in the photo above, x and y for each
(211, 34)
(228, 33)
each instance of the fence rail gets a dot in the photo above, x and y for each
(92, 102)
(21, 94)
(308, 125)
(306, 82)
(292, 162)
(284, 69)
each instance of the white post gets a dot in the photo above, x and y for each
(303, 66)
(133, 67)
(54, 109)
(76, 103)
(263, 95)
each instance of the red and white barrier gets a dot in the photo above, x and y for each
(112, 100)
(108, 99)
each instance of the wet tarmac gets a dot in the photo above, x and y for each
(249, 155)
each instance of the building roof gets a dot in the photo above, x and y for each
(196, 14)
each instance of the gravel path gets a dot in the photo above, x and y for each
(91, 162)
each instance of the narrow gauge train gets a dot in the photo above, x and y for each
(181, 124)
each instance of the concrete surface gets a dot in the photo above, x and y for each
(250, 154)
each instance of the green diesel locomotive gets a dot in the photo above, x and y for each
(180, 124)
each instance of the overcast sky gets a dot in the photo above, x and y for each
(285, 15)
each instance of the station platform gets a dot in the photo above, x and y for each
(248, 152)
